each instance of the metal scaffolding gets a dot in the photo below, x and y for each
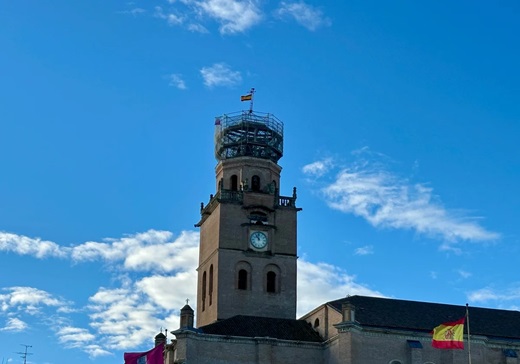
(248, 133)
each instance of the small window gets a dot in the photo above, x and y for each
(255, 183)
(510, 353)
(414, 344)
(317, 323)
(203, 291)
(210, 284)
(242, 279)
(271, 282)
(258, 217)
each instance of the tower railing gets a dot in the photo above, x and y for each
(233, 196)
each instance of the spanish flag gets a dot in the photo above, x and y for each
(246, 97)
(449, 335)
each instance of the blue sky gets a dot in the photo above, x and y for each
(401, 125)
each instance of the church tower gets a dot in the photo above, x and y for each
(247, 253)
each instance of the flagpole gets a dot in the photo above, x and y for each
(252, 97)
(469, 337)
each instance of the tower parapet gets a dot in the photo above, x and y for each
(248, 133)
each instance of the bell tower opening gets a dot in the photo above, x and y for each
(247, 229)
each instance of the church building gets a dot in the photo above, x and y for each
(246, 287)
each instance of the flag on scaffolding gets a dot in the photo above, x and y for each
(247, 97)
(154, 356)
(449, 335)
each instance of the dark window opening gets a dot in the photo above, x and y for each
(271, 282)
(211, 284)
(255, 183)
(203, 291)
(414, 344)
(242, 279)
(316, 323)
(234, 183)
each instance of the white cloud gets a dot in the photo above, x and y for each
(171, 18)
(14, 324)
(79, 338)
(385, 200)
(126, 317)
(464, 274)
(24, 245)
(177, 81)
(219, 74)
(500, 296)
(318, 168)
(234, 16)
(197, 28)
(364, 250)
(320, 283)
(136, 251)
(133, 12)
(305, 14)
(28, 299)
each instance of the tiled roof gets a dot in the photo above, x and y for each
(424, 316)
(252, 326)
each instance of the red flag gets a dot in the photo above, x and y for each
(154, 356)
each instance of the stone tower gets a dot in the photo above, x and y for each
(247, 256)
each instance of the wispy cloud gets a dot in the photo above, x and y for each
(304, 14)
(321, 282)
(175, 80)
(385, 200)
(501, 297)
(80, 338)
(220, 74)
(30, 300)
(133, 11)
(364, 250)
(24, 245)
(318, 168)
(15, 325)
(464, 274)
(234, 16)
(170, 17)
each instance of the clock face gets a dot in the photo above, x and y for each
(258, 239)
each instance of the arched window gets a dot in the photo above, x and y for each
(234, 183)
(211, 284)
(243, 276)
(395, 362)
(203, 291)
(255, 183)
(242, 279)
(272, 274)
(271, 282)
(316, 323)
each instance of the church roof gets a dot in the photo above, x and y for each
(424, 316)
(252, 326)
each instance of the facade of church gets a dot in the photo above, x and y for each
(246, 290)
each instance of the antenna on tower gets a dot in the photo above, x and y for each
(24, 354)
